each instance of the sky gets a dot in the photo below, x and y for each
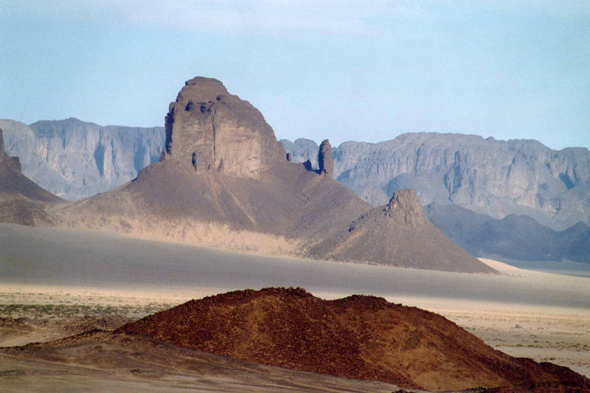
(342, 70)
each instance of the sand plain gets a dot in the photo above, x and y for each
(54, 278)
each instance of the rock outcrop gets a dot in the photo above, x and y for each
(325, 160)
(76, 159)
(405, 209)
(224, 169)
(397, 234)
(215, 129)
(497, 178)
(358, 337)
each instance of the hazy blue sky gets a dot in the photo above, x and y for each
(343, 70)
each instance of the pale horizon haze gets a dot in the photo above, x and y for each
(342, 70)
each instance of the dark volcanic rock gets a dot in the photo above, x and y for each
(360, 337)
(218, 126)
(325, 160)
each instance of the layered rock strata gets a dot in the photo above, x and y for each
(488, 176)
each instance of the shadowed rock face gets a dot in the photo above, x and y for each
(76, 159)
(325, 160)
(360, 337)
(21, 200)
(5, 160)
(215, 130)
(513, 237)
(405, 209)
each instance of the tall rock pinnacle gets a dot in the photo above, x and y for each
(2, 152)
(325, 160)
(215, 130)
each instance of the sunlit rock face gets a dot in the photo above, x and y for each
(76, 159)
(485, 175)
(215, 130)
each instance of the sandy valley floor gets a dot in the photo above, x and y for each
(62, 283)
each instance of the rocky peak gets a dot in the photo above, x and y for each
(325, 160)
(405, 208)
(215, 130)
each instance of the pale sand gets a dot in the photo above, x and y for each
(539, 315)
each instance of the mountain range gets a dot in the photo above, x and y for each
(224, 180)
(74, 159)
(488, 176)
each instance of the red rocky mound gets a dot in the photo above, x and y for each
(361, 337)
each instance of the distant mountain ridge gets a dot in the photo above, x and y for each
(75, 159)
(484, 175)
(512, 237)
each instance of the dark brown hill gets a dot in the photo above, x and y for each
(360, 337)
(21, 200)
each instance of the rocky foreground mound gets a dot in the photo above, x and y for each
(360, 337)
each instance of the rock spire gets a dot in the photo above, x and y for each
(325, 160)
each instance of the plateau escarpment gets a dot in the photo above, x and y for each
(223, 175)
(484, 175)
(76, 159)
(21, 200)
(512, 237)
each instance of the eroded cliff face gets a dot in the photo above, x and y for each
(215, 130)
(485, 175)
(76, 159)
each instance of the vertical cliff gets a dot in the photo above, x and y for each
(214, 130)
(76, 159)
